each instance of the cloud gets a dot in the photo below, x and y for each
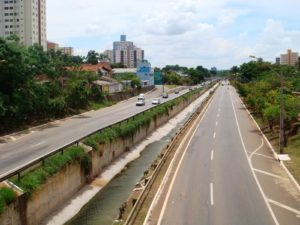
(229, 16)
(275, 39)
(217, 33)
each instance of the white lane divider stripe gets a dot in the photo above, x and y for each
(211, 193)
(212, 155)
(214, 135)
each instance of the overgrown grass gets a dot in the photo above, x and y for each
(7, 196)
(98, 105)
(293, 149)
(32, 180)
(130, 128)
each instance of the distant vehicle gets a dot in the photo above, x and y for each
(141, 97)
(190, 89)
(176, 91)
(165, 95)
(140, 102)
(156, 101)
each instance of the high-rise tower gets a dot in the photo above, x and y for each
(26, 19)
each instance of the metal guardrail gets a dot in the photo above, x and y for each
(20, 169)
(143, 195)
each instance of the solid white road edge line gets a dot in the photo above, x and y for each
(177, 169)
(251, 167)
(271, 147)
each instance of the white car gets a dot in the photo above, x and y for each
(156, 101)
(140, 102)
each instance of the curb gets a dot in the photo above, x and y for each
(271, 147)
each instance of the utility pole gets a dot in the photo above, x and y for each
(163, 81)
(281, 137)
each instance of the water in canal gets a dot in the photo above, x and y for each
(104, 207)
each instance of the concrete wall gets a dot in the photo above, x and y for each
(11, 215)
(57, 190)
(67, 182)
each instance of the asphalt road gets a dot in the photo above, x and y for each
(226, 175)
(18, 150)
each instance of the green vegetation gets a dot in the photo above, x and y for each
(129, 129)
(177, 75)
(258, 82)
(7, 196)
(32, 180)
(135, 82)
(36, 85)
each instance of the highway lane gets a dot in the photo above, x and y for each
(41, 141)
(214, 183)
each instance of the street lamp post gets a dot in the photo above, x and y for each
(281, 114)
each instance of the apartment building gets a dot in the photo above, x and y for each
(26, 19)
(109, 55)
(66, 50)
(291, 58)
(126, 53)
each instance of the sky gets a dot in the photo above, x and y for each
(220, 33)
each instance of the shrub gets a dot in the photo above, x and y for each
(7, 196)
(35, 178)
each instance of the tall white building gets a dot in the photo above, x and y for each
(26, 19)
(126, 53)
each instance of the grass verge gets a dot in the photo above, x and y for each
(292, 149)
(32, 180)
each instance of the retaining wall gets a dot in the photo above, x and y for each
(62, 186)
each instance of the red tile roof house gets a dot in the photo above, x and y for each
(102, 68)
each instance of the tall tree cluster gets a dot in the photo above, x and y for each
(260, 82)
(35, 84)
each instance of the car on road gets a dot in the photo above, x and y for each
(140, 102)
(156, 101)
(165, 95)
(176, 91)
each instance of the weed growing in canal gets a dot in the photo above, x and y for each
(7, 196)
(33, 179)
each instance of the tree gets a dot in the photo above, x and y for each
(92, 57)
(213, 71)
(234, 70)
(271, 113)
(14, 68)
